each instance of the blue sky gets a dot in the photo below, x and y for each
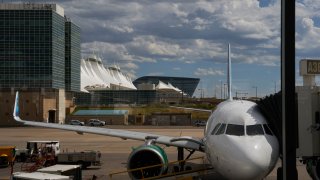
(189, 38)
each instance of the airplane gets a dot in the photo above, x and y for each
(237, 141)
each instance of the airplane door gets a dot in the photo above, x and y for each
(52, 116)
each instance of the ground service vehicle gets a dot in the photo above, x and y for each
(51, 150)
(35, 147)
(84, 158)
(7, 155)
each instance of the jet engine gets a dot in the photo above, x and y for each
(145, 156)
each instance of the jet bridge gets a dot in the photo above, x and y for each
(308, 121)
(307, 116)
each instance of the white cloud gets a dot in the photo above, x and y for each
(136, 33)
(208, 72)
(307, 30)
(130, 65)
(117, 28)
(152, 46)
(188, 31)
(176, 68)
(308, 8)
(266, 60)
(307, 36)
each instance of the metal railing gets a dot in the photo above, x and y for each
(170, 174)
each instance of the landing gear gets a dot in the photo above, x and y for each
(181, 160)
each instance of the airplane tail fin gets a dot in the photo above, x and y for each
(229, 73)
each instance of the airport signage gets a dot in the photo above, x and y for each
(313, 67)
(309, 67)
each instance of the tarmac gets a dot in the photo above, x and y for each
(114, 151)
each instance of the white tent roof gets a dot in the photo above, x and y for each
(163, 86)
(95, 76)
(167, 87)
(175, 88)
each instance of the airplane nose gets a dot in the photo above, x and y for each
(258, 163)
(253, 160)
(261, 158)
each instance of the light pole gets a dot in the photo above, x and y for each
(221, 88)
(256, 91)
(224, 89)
(201, 91)
(215, 91)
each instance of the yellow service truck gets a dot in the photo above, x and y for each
(7, 155)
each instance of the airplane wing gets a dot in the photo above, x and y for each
(185, 141)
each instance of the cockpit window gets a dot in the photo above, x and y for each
(253, 130)
(221, 129)
(215, 129)
(235, 130)
(267, 130)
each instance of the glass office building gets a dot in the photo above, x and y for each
(32, 46)
(73, 56)
(40, 57)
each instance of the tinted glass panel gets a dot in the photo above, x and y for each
(267, 129)
(236, 130)
(221, 129)
(215, 129)
(254, 130)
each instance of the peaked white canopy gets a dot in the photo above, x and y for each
(95, 76)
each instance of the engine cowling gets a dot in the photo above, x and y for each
(147, 155)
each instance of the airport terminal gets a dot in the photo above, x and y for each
(40, 56)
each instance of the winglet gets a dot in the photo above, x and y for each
(16, 110)
(229, 73)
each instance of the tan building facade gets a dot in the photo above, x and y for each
(43, 105)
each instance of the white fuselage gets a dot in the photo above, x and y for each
(239, 143)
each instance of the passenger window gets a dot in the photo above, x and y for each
(215, 129)
(235, 130)
(253, 130)
(267, 130)
(221, 129)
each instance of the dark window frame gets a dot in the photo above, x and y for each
(268, 131)
(233, 131)
(215, 129)
(222, 129)
(254, 130)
